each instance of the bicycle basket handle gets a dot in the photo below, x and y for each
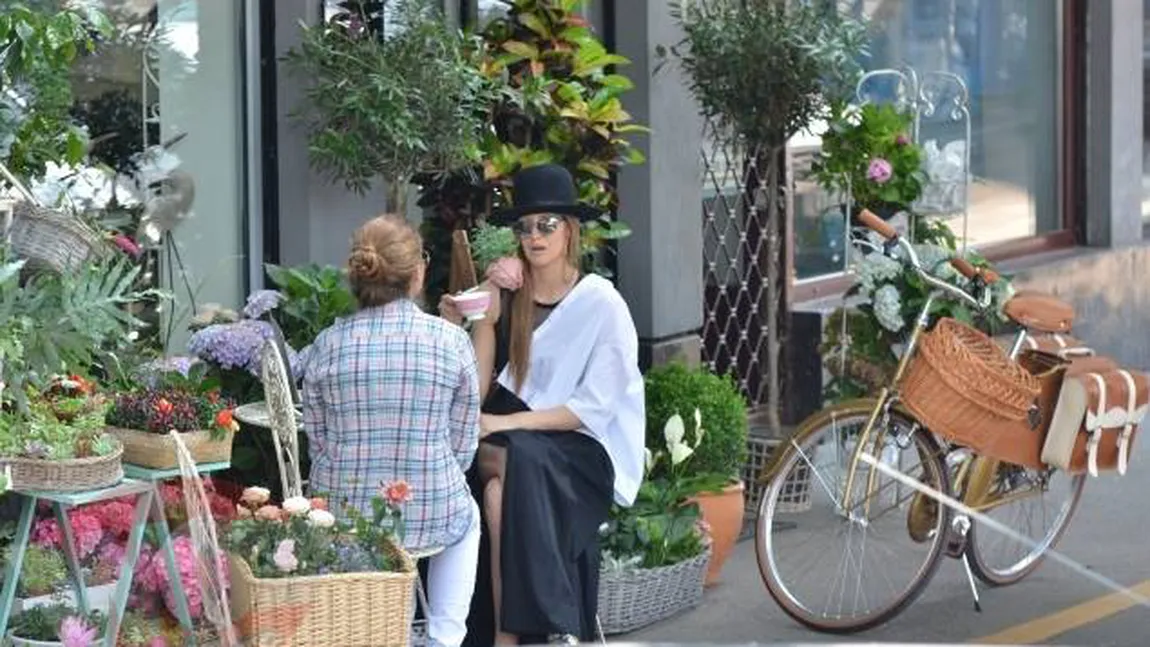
(876, 224)
(971, 272)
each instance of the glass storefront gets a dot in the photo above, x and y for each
(173, 71)
(1007, 55)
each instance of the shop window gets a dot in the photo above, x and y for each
(1007, 55)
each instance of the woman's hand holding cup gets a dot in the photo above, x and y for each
(476, 304)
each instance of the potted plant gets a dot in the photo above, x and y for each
(559, 100)
(716, 456)
(868, 153)
(410, 72)
(59, 444)
(142, 420)
(56, 625)
(42, 574)
(656, 552)
(299, 559)
(762, 71)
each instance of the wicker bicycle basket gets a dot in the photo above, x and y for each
(964, 387)
(369, 609)
(51, 240)
(158, 451)
(71, 475)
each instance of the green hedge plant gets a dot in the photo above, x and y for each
(678, 389)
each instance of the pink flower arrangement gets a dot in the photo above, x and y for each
(152, 575)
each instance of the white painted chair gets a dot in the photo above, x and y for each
(282, 415)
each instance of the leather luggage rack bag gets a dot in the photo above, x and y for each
(1097, 417)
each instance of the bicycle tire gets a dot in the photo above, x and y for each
(818, 425)
(1033, 559)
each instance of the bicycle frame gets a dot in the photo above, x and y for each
(980, 471)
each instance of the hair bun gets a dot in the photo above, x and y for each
(365, 264)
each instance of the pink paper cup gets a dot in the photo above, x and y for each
(473, 305)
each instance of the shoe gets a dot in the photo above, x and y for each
(562, 639)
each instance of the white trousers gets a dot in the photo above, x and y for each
(450, 583)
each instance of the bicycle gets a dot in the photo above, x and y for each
(882, 425)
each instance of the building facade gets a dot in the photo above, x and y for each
(1052, 126)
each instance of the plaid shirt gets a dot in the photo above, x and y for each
(392, 393)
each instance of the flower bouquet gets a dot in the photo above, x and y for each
(142, 420)
(59, 444)
(301, 577)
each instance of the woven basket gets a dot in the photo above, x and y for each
(963, 387)
(362, 609)
(72, 475)
(158, 451)
(50, 240)
(631, 599)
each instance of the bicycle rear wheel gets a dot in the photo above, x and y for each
(843, 573)
(1039, 506)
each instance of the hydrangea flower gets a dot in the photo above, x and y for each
(880, 171)
(232, 345)
(888, 308)
(875, 269)
(261, 302)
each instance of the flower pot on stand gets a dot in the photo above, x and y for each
(723, 511)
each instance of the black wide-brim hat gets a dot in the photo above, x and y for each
(547, 188)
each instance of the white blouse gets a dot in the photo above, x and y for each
(585, 355)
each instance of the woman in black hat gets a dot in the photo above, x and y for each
(562, 427)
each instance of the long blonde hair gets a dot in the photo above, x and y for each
(523, 308)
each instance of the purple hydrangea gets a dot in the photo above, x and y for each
(879, 171)
(262, 301)
(233, 345)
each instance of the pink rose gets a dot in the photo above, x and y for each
(284, 557)
(506, 273)
(879, 171)
(270, 513)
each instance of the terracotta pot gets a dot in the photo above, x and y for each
(723, 511)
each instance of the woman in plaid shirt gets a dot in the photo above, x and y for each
(391, 393)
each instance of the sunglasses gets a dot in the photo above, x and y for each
(545, 226)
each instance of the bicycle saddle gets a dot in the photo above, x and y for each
(1040, 311)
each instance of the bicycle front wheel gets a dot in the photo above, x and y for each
(840, 570)
(1037, 504)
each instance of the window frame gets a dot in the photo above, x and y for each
(1070, 171)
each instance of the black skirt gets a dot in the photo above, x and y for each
(557, 491)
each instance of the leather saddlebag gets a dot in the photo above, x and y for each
(1064, 346)
(1096, 419)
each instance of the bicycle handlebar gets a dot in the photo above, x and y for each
(979, 275)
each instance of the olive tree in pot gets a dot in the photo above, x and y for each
(392, 94)
(762, 71)
(720, 453)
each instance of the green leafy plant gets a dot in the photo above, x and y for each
(559, 100)
(39, 434)
(490, 243)
(653, 532)
(763, 70)
(38, 44)
(43, 571)
(869, 152)
(389, 103)
(50, 322)
(678, 390)
(314, 297)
